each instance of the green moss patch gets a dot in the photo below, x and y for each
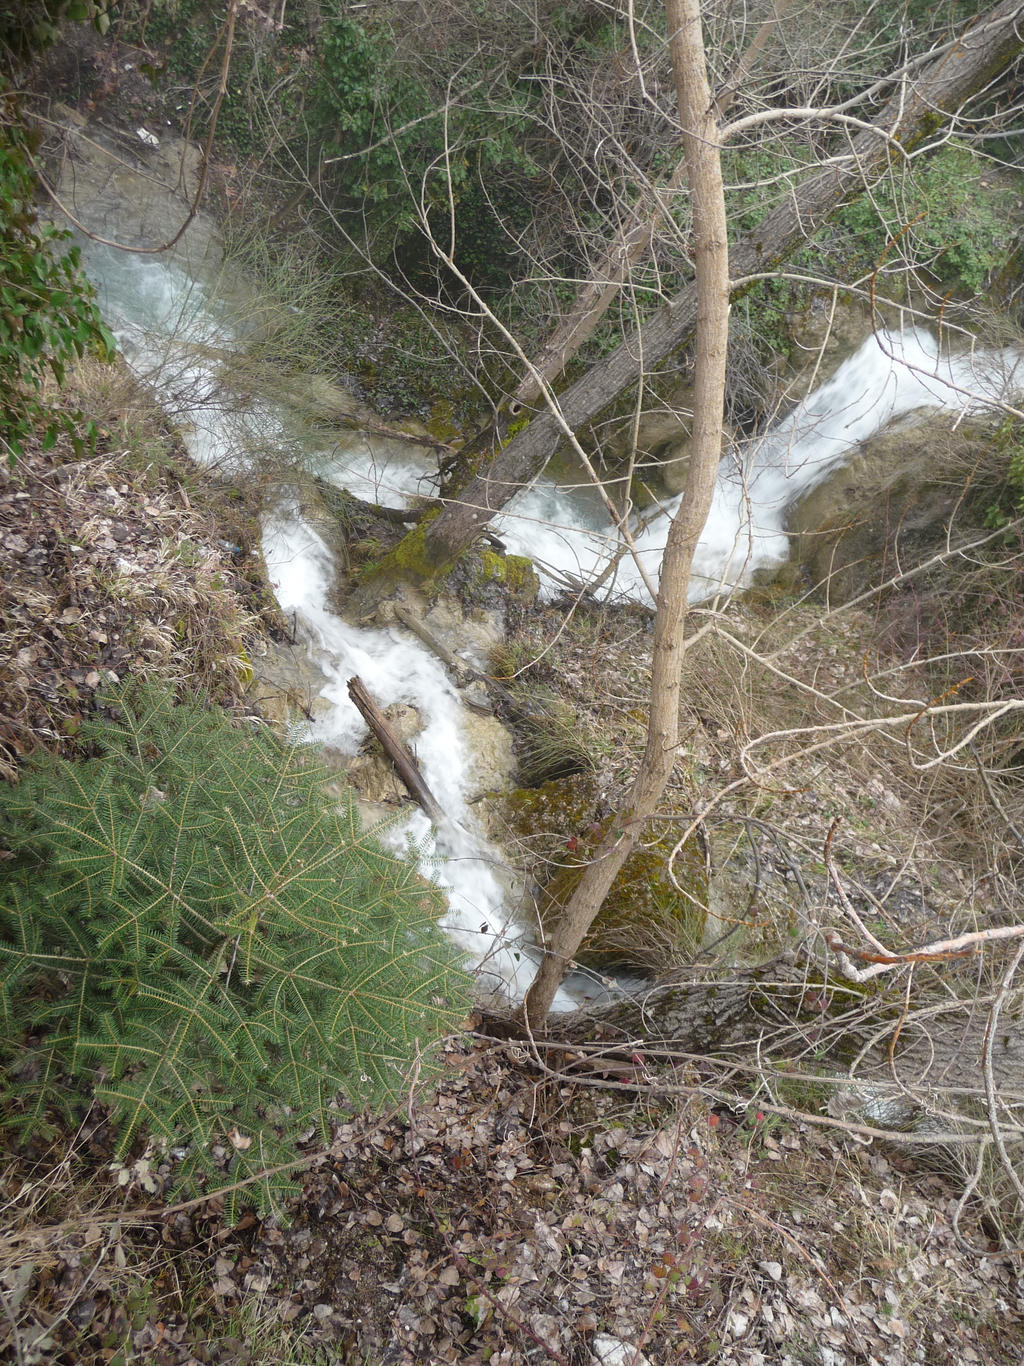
(647, 921)
(515, 573)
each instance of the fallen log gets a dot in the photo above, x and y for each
(405, 765)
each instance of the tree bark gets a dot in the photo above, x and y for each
(405, 765)
(914, 112)
(595, 297)
(707, 195)
(630, 244)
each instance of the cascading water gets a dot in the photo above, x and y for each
(169, 328)
(893, 373)
(169, 331)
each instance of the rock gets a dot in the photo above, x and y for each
(370, 772)
(822, 338)
(895, 488)
(476, 695)
(470, 633)
(492, 761)
(645, 923)
(376, 781)
(287, 685)
(609, 1351)
(405, 722)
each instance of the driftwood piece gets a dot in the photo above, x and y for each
(364, 425)
(405, 765)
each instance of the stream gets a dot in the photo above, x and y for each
(173, 327)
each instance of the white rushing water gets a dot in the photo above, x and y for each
(892, 374)
(172, 335)
(397, 668)
(173, 332)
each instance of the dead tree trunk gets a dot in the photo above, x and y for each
(405, 765)
(919, 108)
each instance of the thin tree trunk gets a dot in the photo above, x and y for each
(707, 195)
(630, 244)
(915, 112)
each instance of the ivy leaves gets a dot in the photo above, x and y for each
(47, 313)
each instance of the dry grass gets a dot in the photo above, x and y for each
(124, 564)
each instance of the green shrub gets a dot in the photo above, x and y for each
(400, 139)
(194, 926)
(26, 29)
(47, 314)
(953, 216)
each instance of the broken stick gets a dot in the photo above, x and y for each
(405, 765)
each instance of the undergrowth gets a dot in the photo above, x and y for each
(47, 314)
(195, 930)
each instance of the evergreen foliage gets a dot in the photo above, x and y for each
(47, 313)
(413, 137)
(193, 923)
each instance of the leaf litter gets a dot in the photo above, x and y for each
(509, 1218)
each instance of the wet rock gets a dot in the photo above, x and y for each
(133, 192)
(491, 759)
(647, 921)
(287, 685)
(471, 634)
(370, 771)
(895, 489)
(405, 722)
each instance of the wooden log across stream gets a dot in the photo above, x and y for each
(405, 765)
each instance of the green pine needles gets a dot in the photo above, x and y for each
(193, 925)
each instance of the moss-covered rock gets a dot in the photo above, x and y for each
(897, 491)
(646, 921)
(515, 573)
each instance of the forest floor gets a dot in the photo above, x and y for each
(509, 1217)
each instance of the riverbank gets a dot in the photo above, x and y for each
(637, 1204)
(519, 1210)
(125, 565)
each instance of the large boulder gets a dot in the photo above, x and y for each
(894, 493)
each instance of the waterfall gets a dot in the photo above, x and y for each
(171, 328)
(892, 374)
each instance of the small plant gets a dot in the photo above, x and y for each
(1007, 444)
(194, 926)
(47, 314)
